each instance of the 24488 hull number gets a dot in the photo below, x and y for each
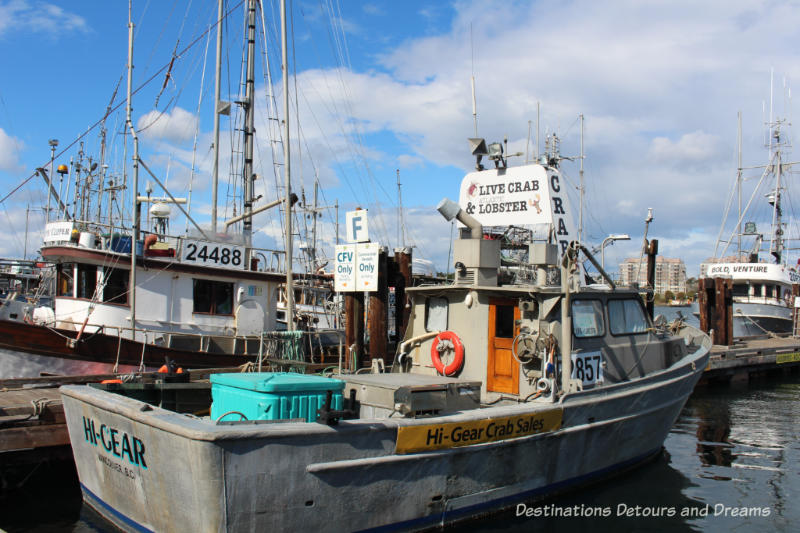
(213, 254)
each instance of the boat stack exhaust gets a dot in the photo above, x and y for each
(477, 260)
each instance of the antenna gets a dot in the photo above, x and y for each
(472, 81)
(528, 143)
(537, 130)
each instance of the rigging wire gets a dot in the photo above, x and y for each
(144, 84)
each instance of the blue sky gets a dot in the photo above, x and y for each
(384, 85)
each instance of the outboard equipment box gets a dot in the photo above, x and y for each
(271, 396)
(412, 395)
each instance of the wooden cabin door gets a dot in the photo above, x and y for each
(503, 369)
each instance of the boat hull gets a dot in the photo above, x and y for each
(291, 476)
(754, 319)
(28, 349)
(758, 319)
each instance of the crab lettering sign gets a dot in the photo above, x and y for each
(525, 196)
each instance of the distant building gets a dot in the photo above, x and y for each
(670, 274)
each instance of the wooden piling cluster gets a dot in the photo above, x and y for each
(715, 302)
(652, 252)
(394, 271)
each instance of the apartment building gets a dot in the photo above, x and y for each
(670, 274)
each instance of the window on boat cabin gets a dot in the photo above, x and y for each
(504, 321)
(626, 317)
(213, 297)
(587, 318)
(756, 289)
(740, 289)
(115, 290)
(436, 314)
(87, 281)
(65, 279)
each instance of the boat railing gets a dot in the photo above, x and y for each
(298, 350)
(303, 350)
(177, 248)
(767, 300)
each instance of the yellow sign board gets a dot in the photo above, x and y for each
(782, 358)
(411, 439)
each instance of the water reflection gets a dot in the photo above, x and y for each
(713, 430)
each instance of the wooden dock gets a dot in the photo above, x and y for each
(746, 358)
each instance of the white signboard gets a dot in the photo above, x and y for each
(344, 275)
(356, 267)
(57, 232)
(213, 254)
(356, 226)
(754, 271)
(524, 196)
(367, 266)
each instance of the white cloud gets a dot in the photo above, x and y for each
(177, 126)
(10, 148)
(691, 149)
(39, 17)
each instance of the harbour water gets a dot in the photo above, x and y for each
(730, 463)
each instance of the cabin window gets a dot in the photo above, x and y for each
(436, 314)
(504, 321)
(87, 281)
(740, 289)
(587, 318)
(626, 317)
(66, 275)
(213, 297)
(116, 285)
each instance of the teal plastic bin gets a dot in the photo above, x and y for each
(271, 396)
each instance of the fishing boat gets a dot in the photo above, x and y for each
(512, 383)
(763, 294)
(133, 299)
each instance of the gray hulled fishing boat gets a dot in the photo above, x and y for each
(513, 383)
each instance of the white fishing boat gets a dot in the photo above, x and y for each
(512, 384)
(763, 280)
(130, 298)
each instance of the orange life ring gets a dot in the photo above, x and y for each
(458, 348)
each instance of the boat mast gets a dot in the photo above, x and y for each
(286, 170)
(249, 118)
(215, 172)
(776, 246)
(135, 195)
(314, 229)
(401, 241)
(739, 192)
(580, 216)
